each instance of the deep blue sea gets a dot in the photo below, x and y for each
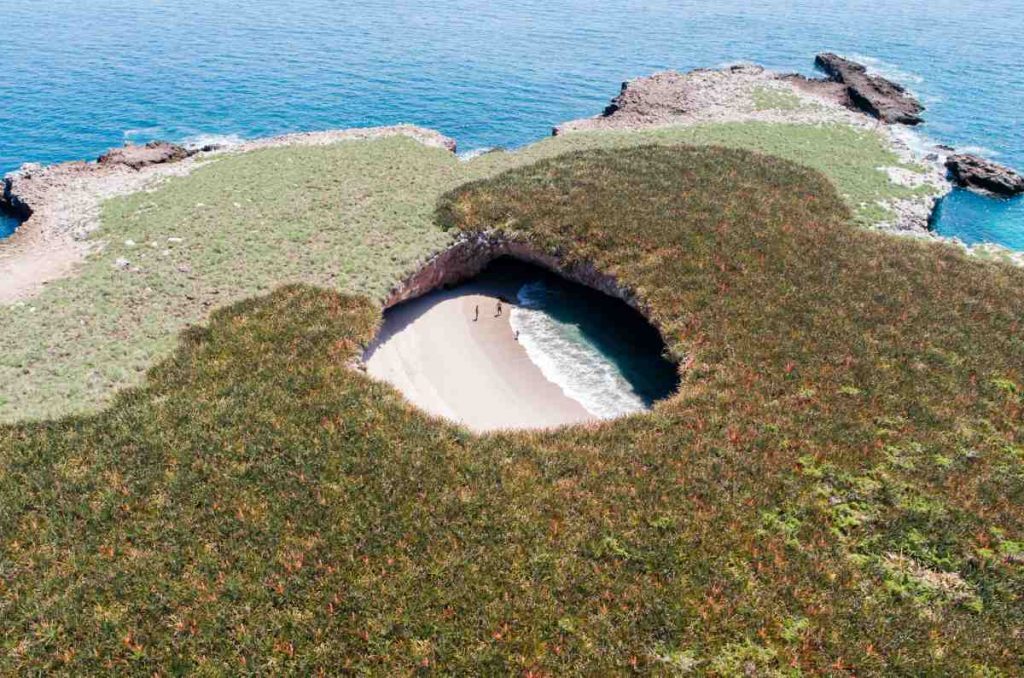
(79, 76)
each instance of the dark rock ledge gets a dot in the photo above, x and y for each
(884, 99)
(978, 174)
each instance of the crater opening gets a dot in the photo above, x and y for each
(518, 346)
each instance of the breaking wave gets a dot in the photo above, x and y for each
(887, 70)
(566, 358)
(466, 156)
(201, 140)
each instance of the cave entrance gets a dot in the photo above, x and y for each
(518, 346)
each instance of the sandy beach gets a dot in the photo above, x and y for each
(472, 372)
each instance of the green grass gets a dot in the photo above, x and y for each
(354, 217)
(770, 99)
(837, 487)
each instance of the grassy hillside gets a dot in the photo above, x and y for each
(836, 489)
(353, 217)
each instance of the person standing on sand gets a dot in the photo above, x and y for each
(476, 314)
(498, 314)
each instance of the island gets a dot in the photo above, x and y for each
(201, 473)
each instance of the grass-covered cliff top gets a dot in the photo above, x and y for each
(353, 217)
(837, 487)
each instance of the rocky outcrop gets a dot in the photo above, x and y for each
(738, 93)
(884, 99)
(60, 204)
(661, 96)
(11, 200)
(830, 90)
(471, 253)
(137, 157)
(731, 94)
(979, 174)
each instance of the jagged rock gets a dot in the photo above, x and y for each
(471, 254)
(10, 202)
(137, 157)
(971, 171)
(886, 100)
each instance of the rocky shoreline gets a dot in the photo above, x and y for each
(848, 94)
(60, 204)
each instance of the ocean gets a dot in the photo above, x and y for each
(80, 76)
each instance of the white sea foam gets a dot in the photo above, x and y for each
(140, 134)
(889, 71)
(983, 151)
(201, 140)
(908, 79)
(568, 360)
(474, 153)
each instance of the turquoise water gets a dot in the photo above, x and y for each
(7, 225)
(82, 75)
(596, 348)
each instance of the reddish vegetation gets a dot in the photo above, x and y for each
(837, 487)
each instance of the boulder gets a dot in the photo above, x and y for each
(137, 157)
(886, 100)
(979, 174)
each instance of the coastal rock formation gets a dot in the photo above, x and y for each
(12, 200)
(884, 99)
(733, 94)
(471, 254)
(661, 96)
(979, 174)
(746, 92)
(137, 157)
(60, 204)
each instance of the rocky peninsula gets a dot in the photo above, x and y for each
(60, 204)
(847, 95)
(164, 234)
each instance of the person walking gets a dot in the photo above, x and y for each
(476, 313)
(498, 314)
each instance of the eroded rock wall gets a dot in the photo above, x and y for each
(471, 254)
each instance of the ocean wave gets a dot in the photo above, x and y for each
(466, 156)
(983, 151)
(565, 358)
(887, 70)
(142, 134)
(201, 140)
(917, 141)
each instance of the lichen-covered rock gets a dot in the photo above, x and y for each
(976, 173)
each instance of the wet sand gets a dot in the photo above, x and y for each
(471, 372)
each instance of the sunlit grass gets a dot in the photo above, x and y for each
(354, 217)
(837, 487)
(770, 99)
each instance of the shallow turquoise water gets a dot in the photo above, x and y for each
(82, 75)
(7, 225)
(597, 349)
